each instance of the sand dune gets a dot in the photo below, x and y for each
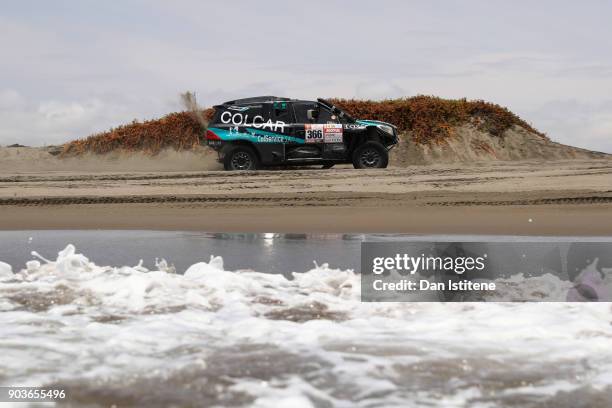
(470, 144)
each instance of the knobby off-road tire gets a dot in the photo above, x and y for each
(370, 155)
(241, 158)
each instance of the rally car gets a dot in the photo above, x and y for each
(271, 131)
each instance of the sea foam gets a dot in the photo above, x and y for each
(133, 336)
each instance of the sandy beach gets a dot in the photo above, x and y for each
(521, 198)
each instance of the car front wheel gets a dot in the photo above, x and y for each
(241, 158)
(370, 155)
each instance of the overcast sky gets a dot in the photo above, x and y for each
(71, 68)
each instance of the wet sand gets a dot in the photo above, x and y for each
(519, 198)
(583, 220)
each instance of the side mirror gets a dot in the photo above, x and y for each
(312, 114)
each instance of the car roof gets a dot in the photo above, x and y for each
(256, 99)
(261, 99)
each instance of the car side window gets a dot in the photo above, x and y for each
(325, 116)
(281, 112)
(301, 111)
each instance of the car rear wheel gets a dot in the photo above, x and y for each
(241, 158)
(370, 155)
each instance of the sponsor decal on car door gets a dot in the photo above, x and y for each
(323, 133)
(332, 133)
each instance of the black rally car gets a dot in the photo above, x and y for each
(267, 130)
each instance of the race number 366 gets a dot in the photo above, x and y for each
(314, 133)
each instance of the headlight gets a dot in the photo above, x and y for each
(386, 129)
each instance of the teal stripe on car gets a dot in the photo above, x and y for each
(370, 122)
(255, 136)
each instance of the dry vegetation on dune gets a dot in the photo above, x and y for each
(430, 120)
(179, 131)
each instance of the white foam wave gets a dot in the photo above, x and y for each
(233, 338)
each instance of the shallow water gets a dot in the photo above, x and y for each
(272, 253)
(213, 336)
